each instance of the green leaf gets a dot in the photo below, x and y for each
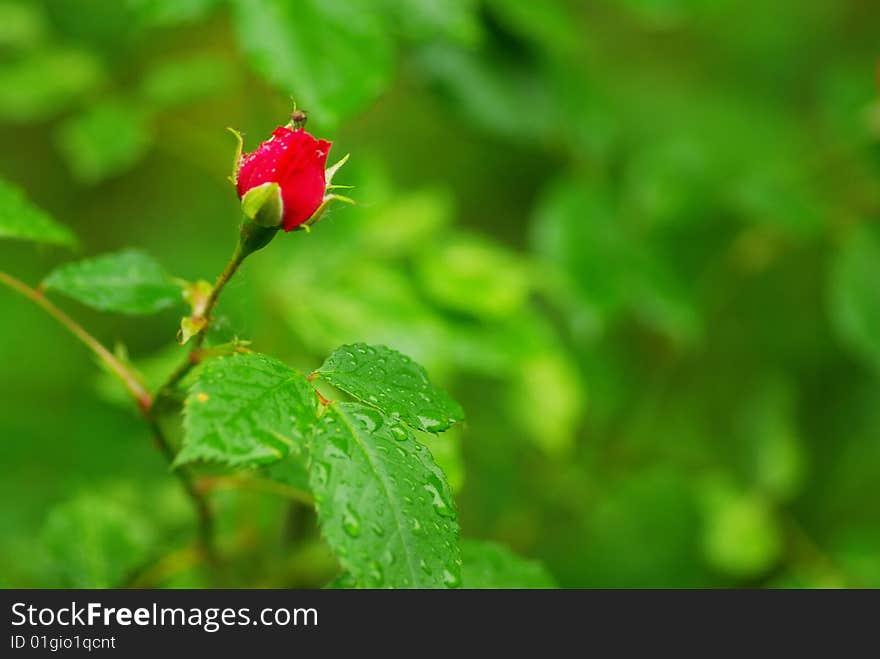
(342, 581)
(291, 470)
(333, 56)
(128, 282)
(475, 276)
(20, 219)
(95, 542)
(742, 536)
(548, 24)
(21, 25)
(611, 267)
(547, 381)
(482, 85)
(446, 451)
(246, 409)
(104, 141)
(165, 13)
(370, 302)
(179, 81)
(419, 20)
(490, 565)
(45, 83)
(393, 383)
(769, 444)
(384, 506)
(854, 292)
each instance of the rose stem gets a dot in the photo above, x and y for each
(141, 397)
(131, 382)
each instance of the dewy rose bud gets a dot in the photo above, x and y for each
(284, 181)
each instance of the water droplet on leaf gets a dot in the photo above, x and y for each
(451, 580)
(439, 500)
(351, 522)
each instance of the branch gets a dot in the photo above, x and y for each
(247, 244)
(173, 563)
(138, 392)
(192, 358)
(209, 483)
(200, 502)
(124, 373)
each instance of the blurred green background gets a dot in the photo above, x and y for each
(636, 239)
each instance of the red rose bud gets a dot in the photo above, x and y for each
(284, 181)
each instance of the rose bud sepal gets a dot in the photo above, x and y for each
(328, 195)
(263, 205)
(253, 237)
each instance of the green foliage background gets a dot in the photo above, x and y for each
(635, 238)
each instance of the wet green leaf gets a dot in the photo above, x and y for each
(246, 409)
(387, 380)
(384, 506)
(129, 281)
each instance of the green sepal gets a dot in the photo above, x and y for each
(262, 204)
(255, 236)
(236, 164)
(318, 214)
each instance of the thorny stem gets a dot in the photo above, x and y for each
(129, 379)
(252, 238)
(193, 357)
(144, 401)
(210, 483)
(200, 502)
(169, 565)
(184, 475)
